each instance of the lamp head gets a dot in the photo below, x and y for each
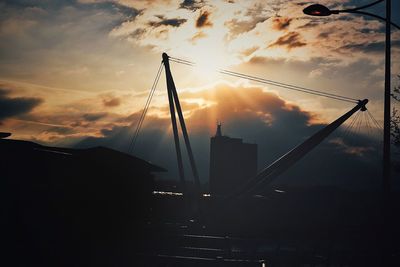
(318, 10)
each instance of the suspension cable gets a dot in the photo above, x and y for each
(376, 143)
(370, 130)
(375, 121)
(271, 82)
(359, 124)
(145, 109)
(349, 128)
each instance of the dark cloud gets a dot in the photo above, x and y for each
(203, 20)
(289, 40)
(369, 47)
(281, 23)
(60, 130)
(111, 101)
(192, 5)
(310, 24)
(78, 123)
(128, 12)
(256, 116)
(14, 106)
(304, 3)
(324, 34)
(94, 116)
(37, 3)
(138, 33)
(163, 21)
(37, 36)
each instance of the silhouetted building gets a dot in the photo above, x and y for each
(72, 207)
(232, 162)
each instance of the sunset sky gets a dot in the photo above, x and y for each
(77, 73)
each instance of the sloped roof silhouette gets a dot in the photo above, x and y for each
(4, 135)
(102, 155)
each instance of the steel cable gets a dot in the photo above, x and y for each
(145, 109)
(271, 82)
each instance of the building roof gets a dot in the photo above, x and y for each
(102, 155)
(4, 135)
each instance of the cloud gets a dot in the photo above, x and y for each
(352, 149)
(15, 106)
(136, 5)
(243, 110)
(252, 18)
(192, 5)
(203, 20)
(138, 33)
(63, 36)
(289, 40)
(237, 27)
(281, 23)
(94, 116)
(258, 60)
(368, 47)
(311, 24)
(324, 34)
(197, 36)
(85, 35)
(304, 3)
(256, 116)
(128, 12)
(109, 101)
(60, 130)
(163, 21)
(247, 52)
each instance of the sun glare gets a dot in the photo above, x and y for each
(209, 58)
(208, 52)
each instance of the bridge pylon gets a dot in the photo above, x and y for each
(175, 107)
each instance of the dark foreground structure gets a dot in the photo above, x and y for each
(232, 163)
(97, 207)
(71, 207)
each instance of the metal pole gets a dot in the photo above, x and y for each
(183, 127)
(187, 141)
(386, 130)
(386, 135)
(170, 85)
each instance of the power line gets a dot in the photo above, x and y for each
(271, 82)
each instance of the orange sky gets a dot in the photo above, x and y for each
(72, 69)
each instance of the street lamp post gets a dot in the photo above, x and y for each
(320, 10)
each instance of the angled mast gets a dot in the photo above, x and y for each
(174, 102)
(271, 172)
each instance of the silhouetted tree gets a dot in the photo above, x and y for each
(395, 120)
(395, 128)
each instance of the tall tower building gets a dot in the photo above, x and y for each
(232, 163)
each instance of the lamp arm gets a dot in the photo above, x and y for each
(367, 14)
(365, 6)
